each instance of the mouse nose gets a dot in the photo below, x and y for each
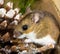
(17, 33)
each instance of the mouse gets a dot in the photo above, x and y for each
(39, 27)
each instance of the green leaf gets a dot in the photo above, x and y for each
(23, 4)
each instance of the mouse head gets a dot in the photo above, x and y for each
(29, 22)
(39, 23)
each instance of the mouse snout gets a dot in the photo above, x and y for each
(17, 33)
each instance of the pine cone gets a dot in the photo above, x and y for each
(9, 17)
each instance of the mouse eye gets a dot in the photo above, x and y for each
(25, 27)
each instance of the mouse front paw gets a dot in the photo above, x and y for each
(28, 41)
(44, 48)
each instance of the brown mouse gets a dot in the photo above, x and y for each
(42, 28)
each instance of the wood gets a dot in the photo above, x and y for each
(57, 4)
(57, 8)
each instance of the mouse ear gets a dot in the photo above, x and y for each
(37, 16)
(28, 9)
